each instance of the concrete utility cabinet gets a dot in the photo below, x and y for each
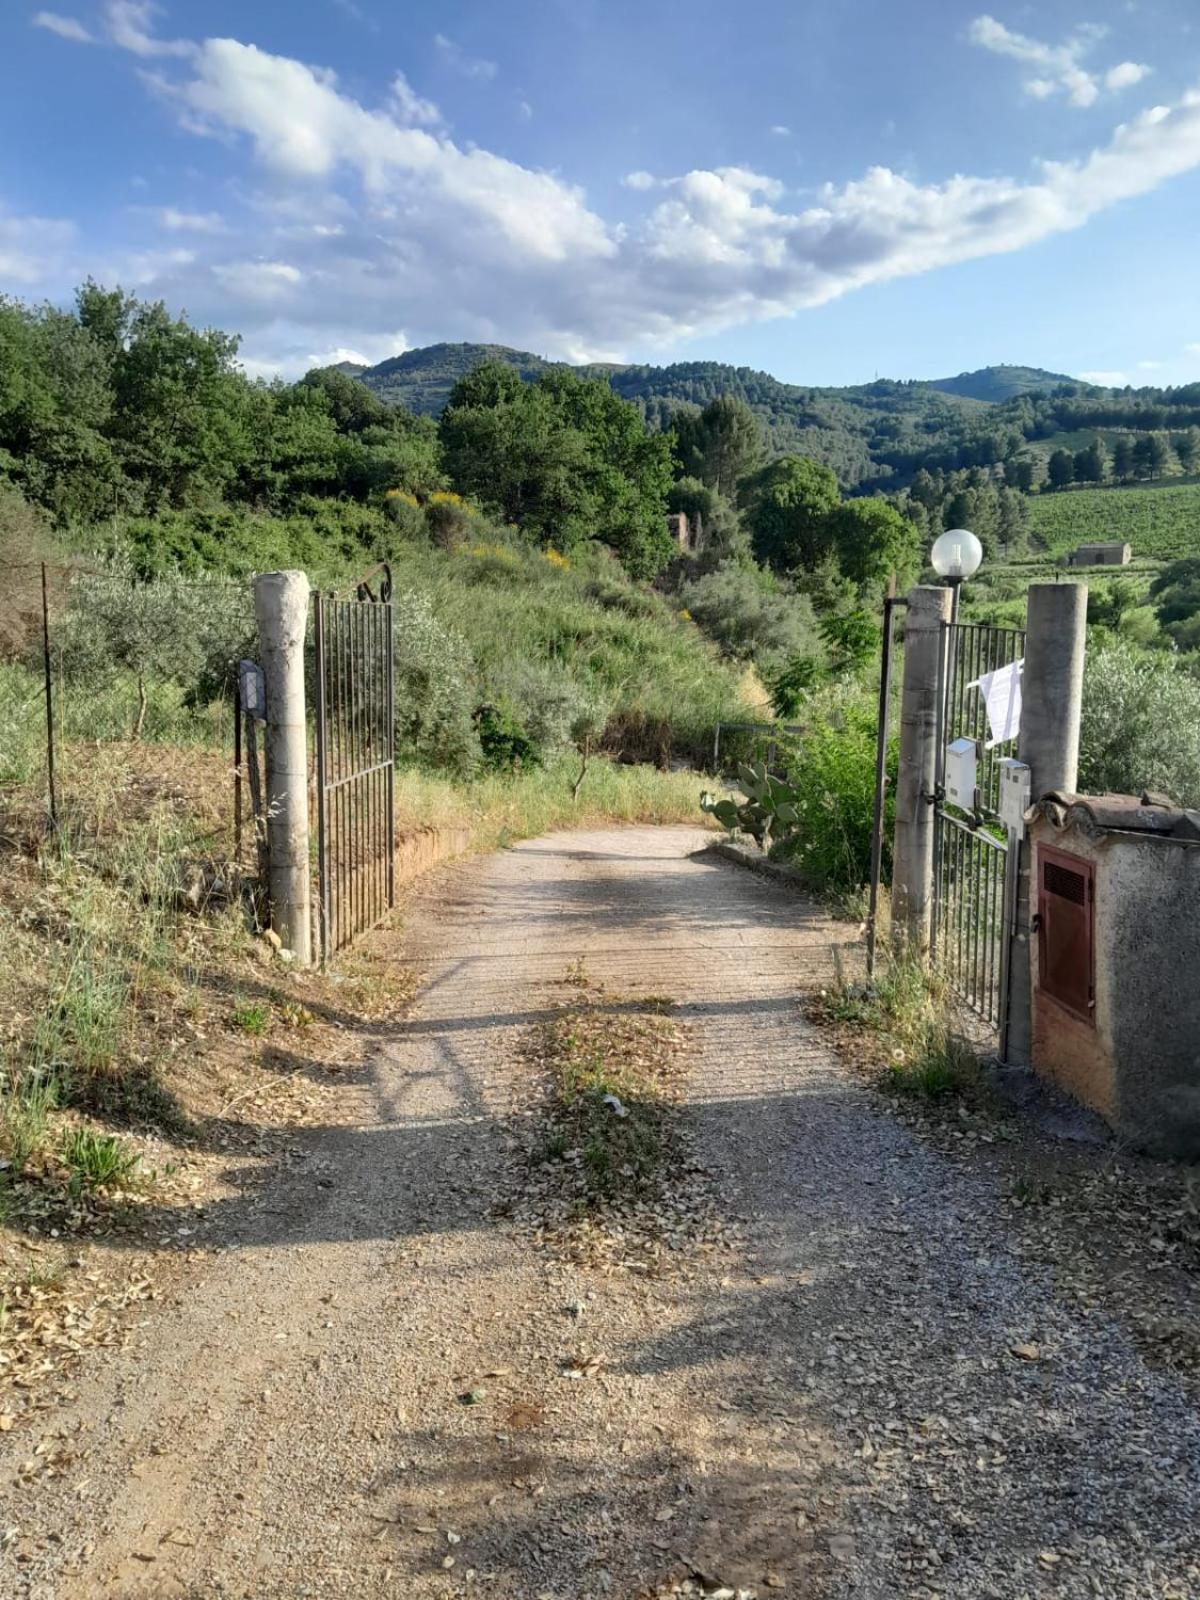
(1101, 555)
(1116, 958)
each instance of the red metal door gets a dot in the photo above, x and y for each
(1066, 957)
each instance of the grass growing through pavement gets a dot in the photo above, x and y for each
(613, 1070)
(902, 1024)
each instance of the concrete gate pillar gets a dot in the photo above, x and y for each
(912, 869)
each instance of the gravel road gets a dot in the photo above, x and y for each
(870, 1396)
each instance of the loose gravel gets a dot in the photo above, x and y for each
(381, 1383)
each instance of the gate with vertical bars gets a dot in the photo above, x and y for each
(974, 869)
(355, 723)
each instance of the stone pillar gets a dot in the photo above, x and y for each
(912, 870)
(1051, 700)
(281, 608)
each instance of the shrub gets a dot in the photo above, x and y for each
(792, 685)
(403, 511)
(820, 816)
(752, 616)
(434, 689)
(449, 519)
(188, 633)
(505, 745)
(1141, 724)
(831, 768)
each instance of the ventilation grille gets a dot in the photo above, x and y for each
(1065, 884)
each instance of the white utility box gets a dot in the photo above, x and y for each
(1014, 794)
(961, 757)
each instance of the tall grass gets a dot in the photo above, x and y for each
(500, 809)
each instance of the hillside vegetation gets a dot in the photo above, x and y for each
(1000, 383)
(1160, 521)
(1008, 421)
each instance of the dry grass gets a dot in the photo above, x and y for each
(500, 809)
(606, 1172)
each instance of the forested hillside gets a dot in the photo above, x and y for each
(1000, 383)
(1011, 421)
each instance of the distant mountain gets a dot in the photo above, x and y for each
(421, 380)
(873, 435)
(997, 384)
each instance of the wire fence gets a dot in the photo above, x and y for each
(100, 672)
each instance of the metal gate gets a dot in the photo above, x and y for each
(355, 697)
(974, 870)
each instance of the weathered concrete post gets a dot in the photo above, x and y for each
(281, 608)
(1051, 699)
(912, 870)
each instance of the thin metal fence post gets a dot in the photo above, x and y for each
(322, 823)
(51, 778)
(391, 754)
(883, 731)
(237, 765)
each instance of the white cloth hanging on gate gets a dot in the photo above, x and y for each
(1001, 691)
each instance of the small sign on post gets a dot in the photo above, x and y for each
(253, 690)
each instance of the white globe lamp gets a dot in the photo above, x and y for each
(956, 556)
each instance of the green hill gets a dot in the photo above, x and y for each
(421, 380)
(873, 434)
(997, 384)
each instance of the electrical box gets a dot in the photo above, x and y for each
(961, 757)
(1014, 794)
(253, 690)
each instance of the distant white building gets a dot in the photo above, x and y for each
(1101, 555)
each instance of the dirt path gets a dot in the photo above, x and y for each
(834, 1409)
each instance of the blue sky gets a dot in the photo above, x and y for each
(897, 187)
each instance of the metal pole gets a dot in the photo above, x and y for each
(391, 750)
(1051, 701)
(237, 765)
(912, 872)
(281, 607)
(881, 745)
(50, 774)
(322, 779)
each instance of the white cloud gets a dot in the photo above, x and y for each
(455, 56)
(524, 111)
(781, 131)
(1056, 69)
(410, 108)
(144, 269)
(176, 221)
(303, 127)
(265, 281)
(1106, 380)
(1125, 75)
(356, 214)
(64, 27)
(1192, 349)
(365, 353)
(130, 27)
(1151, 366)
(33, 250)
